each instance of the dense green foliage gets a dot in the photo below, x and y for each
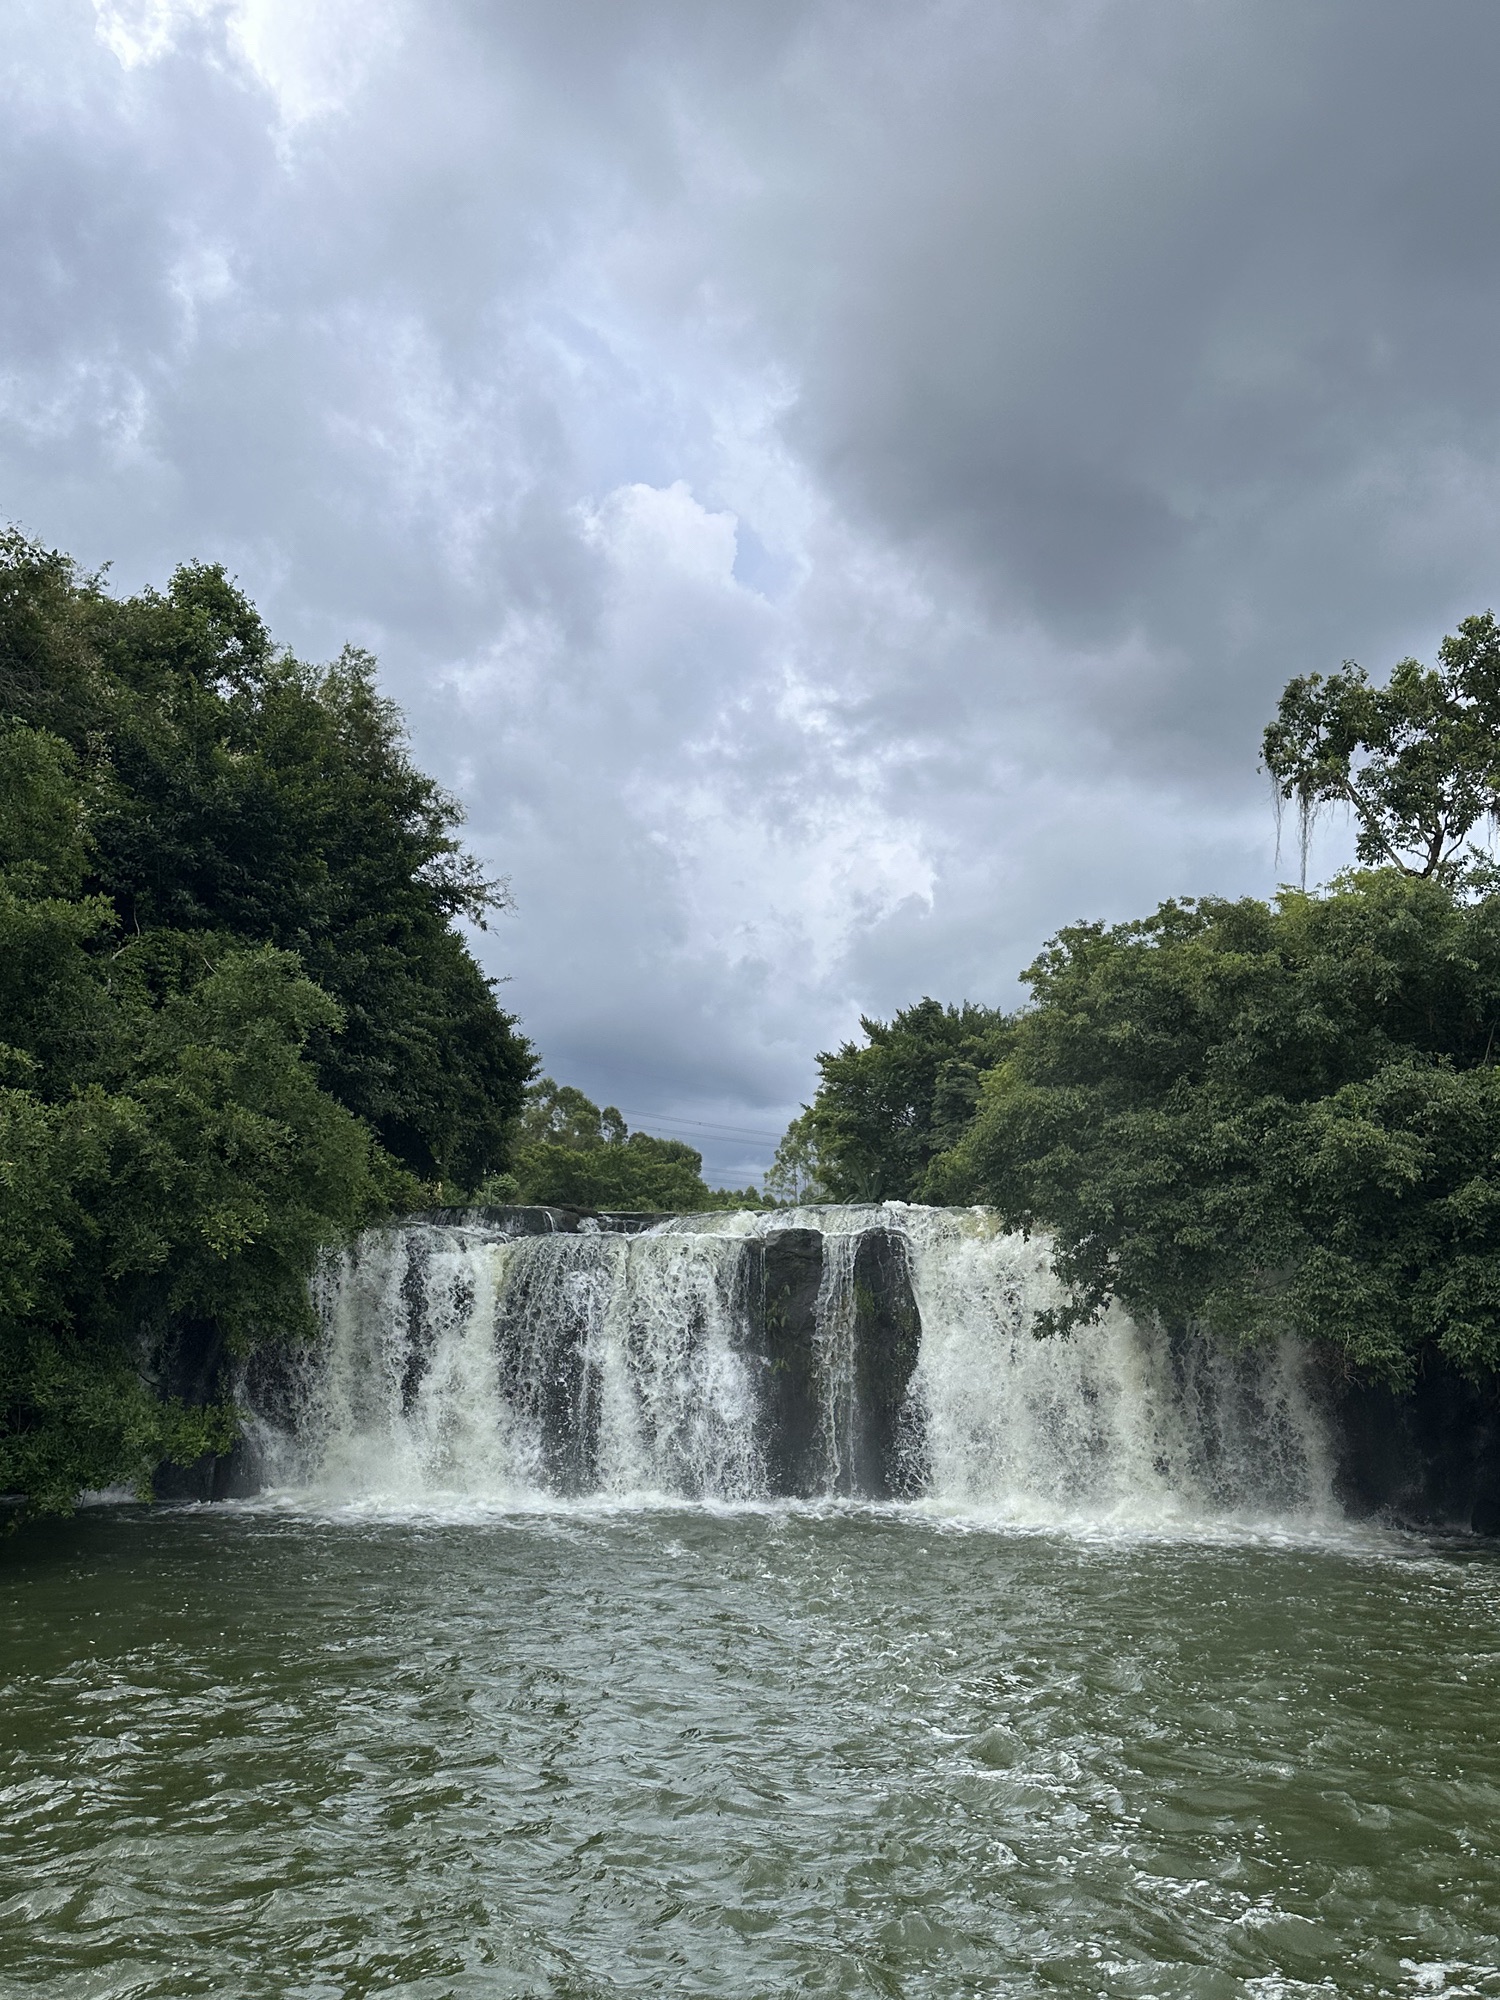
(885, 1110)
(570, 1154)
(1246, 1117)
(235, 1019)
(235, 793)
(1416, 762)
(1258, 1118)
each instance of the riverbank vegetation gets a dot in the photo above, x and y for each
(236, 1017)
(570, 1154)
(1248, 1116)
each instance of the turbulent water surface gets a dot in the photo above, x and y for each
(776, 1751)
(518, 1681)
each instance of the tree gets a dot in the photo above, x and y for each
(884, 1111)
(795, 1174)
(236, 1019)
(166, 1153)
(572, 1154)
(1256, 1118)
(1417, 762)
(233, 791)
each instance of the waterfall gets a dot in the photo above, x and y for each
(835, 1323)
(521, 1356)
(1112, 1420)
(465, 1358)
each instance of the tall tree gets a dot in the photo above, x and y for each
(234, 791)
(1416, 762)
(884, 1110)
(166, 1153)
(794, 1174)
(235, 1018)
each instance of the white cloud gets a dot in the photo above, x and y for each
(137, 32)
(314, 55)
(310, 56)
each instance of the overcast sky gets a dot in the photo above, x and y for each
(837, 488)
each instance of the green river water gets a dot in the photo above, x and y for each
(262, 1752)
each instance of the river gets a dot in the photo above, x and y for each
(252, 1751)
(1090, 1715)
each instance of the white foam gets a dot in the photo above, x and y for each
(1114, 1422)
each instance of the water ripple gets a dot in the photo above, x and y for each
(752, 1752)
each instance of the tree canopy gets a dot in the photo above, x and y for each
(1416, 762)
(1262, 1118)
(235, 1017)
(232, 791)
(571, 1154)
(886, 1108)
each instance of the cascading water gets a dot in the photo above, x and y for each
(512, 1356)
(1116, 1419)
(462, 1358)
(836, 1361)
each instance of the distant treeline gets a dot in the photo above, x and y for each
(1243, 1116)
(570, 1154)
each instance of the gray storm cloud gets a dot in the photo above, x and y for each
(836, 488)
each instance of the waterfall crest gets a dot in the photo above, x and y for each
(521, 1356)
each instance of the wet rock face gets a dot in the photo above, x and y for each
(193, 1365)
(190, 1366)
(779, 1281)
(1428, 1458)
(782, 1283)
(887, 1337)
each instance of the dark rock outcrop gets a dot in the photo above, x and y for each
(193, 1365)
(887, 1336)
(1427, 1458)
(780, 1276)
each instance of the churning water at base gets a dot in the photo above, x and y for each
(450, 1715)
(466, 1361)
(264, 1754)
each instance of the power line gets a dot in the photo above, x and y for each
(705, 1125)
(698, 1125)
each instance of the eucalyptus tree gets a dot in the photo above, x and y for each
(1416, 762)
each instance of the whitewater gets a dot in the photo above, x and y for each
(465, 1362)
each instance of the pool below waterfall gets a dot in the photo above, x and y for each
(750, 1606)
(271, 1751)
